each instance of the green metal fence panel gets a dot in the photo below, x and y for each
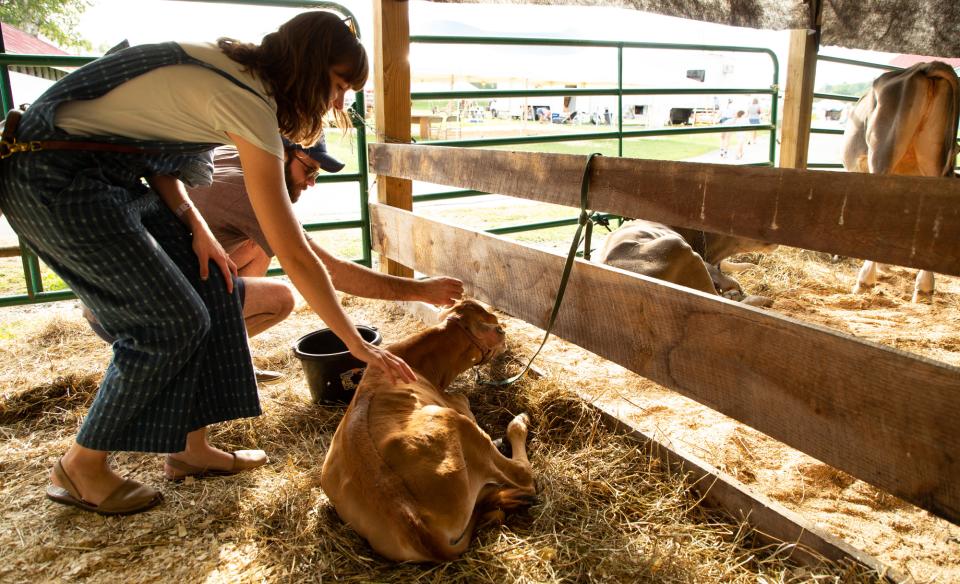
(33, 281)
(31, 266)
(619, 92)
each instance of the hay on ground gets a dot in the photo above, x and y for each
(606, 512)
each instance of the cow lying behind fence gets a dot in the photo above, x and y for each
(905, 124)
(408, 467)
(687, 257)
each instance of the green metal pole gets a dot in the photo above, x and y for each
(6, 94)
(620, 101)
(359, 123)
(774, 98)
(31, 265)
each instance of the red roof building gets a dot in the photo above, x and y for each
(19, 42)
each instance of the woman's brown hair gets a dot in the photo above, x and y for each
(295, 63)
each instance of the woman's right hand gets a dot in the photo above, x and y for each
(208, 249)
(394, 367)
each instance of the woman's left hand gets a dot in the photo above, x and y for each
(208, 249)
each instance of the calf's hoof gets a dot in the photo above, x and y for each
(862, 287)
(517, 428)
(758, 301)
(504, 447)
(735, 295)
(922, 297)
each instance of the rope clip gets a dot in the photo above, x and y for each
(10, 147)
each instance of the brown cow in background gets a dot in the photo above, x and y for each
(687, 257)
(906, 124)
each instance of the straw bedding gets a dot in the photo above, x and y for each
(606, 512)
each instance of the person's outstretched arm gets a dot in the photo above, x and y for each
(352, 278)
(263, 177)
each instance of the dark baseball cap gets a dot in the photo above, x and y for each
(318, 152)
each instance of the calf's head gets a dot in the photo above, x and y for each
(481, 327)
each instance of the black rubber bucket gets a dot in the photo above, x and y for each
(331, 371)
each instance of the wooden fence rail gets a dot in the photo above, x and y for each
(880, 414)
(906, 221)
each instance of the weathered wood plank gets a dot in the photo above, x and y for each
(391, 69)
(882, 415)
(906, 221)
(772, 523)
(798, 99)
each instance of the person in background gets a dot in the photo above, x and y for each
(754, 113)
(727, 116)
(739, 137)
(99, 200)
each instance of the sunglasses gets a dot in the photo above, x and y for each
(313, 172)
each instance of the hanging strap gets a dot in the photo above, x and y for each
(568, 266)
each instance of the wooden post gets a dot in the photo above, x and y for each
(391, 23)
(798, 99)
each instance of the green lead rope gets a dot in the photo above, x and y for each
(583, 220)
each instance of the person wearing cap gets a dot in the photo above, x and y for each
(95, 187)
(226, 208)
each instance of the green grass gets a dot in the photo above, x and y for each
(11, 277)
(51, 282)
(653, 147)
(343, 243)
(344, 147)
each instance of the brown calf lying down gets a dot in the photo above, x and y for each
(687, 257)
(408, 467)
(905, 124)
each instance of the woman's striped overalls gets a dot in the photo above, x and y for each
(181, 359)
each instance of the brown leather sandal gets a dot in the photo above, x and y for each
(176, 470)
(129, 498)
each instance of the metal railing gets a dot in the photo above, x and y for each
(33, 278)
(31, 266)
(619, 91)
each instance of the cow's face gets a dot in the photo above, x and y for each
(482, 325)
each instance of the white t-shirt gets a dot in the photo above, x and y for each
(182, 103)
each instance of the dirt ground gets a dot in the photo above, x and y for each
(275, 525)
(814, 288)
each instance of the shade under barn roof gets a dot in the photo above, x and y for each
(922, 27)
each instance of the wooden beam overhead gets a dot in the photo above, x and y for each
(905, 221)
